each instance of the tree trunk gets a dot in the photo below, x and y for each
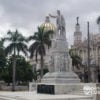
(41, 65)
(14, 71)
(14, 74)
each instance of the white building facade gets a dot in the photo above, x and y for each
(81, 48)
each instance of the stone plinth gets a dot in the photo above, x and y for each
(51, 88)
(60, 78)
(84, 89)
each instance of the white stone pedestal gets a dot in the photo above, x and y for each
(59, 83)
(81, 89)
(60, 78)
(56, 88)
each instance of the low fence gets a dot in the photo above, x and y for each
(17, 88)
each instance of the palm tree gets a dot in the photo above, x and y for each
(17, 44)
(98, 22)
(42, 39)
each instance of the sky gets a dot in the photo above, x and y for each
(27, 15)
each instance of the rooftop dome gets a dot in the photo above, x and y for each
(47, 25)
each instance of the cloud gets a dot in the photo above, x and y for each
(26, 15)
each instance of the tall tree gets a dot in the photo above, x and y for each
(98, 22)
(17, 44)
(41, 39)
(2, 58)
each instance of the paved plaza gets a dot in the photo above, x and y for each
(35, 96)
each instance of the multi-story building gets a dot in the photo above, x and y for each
(81, 48)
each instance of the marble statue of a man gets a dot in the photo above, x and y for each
(60, 21)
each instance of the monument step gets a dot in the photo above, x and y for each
(4, 97)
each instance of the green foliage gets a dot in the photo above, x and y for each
(2, 53)
(37, 73)
(45, 70)
(2, 59)
(24, 72)
(76, 60)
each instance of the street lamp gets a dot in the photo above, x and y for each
(88, 48)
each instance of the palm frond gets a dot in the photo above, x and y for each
(22, 47)
(30, 38)
(32, 48)
(36, 54)
(41, 39)
(9, 48)
(17, 42)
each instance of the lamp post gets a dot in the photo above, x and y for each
(88, 48)
(98, 65)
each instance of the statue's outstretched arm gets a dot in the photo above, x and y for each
(52, 16)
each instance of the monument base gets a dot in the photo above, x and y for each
(60, 78)
(46, 88)
(57, 83)
(69, 88)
